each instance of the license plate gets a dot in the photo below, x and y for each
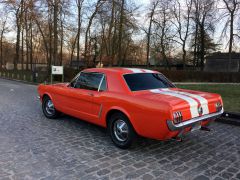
(196, 126)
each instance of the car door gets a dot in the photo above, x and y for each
(80, 97)
(99, 97)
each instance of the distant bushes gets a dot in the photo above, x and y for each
(173, 75)
(201, 76)
(184, 76)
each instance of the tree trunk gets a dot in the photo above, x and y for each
(195, 46)
(149, 37)
(86, 52)
(230, 42)
(114, 43)
(109, 38)
(120, 61)
(79, 5)
(55, 31)
(27, 41)
(202, 55)
(1, 46)
(50, 26)
(31, 45)
(61, 48)
(22, 34)
(16, 58)
(184, 55)
(22, 59)
(1, 50)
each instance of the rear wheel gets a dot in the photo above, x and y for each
(48, 108)
(121, 131)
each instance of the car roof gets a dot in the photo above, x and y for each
(119, 70)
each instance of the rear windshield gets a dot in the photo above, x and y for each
(146, 81)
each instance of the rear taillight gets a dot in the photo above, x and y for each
(177, 117)
(218, 106)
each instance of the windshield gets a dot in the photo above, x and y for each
(146, 81)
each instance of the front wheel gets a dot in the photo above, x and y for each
(121, 131)
(48, 108)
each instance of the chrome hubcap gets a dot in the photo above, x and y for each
(120, 130)
(50, 107)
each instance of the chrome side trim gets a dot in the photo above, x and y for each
(176, 127)
(103, 76)
(100, 111)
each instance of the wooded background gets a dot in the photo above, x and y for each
(116, 32)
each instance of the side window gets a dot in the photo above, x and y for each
(74, 81)
(90, 81)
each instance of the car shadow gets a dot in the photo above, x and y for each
(98, 131)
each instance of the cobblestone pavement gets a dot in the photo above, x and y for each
(33, 147)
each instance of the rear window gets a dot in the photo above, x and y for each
(146, 81)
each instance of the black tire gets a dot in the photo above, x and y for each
(126, 139)
(46, 111)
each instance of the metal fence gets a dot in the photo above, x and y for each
(28, 76)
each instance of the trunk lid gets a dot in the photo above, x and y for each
(191, 103)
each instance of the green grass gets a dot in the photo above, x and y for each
(230, 93)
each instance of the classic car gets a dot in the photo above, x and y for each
(131, 102)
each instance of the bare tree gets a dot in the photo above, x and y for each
(149, 32)
(120, 32)
(79, 7)
(163, 33)
(3, 30)
(15, 7)
(97, 7)
(182, 18)
(204, 19)
(232, 8)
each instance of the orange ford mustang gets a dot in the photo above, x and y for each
(131, 102)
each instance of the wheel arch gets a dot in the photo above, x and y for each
(117, 110)
(46, 95)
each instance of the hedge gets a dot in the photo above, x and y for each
(173, 75)
(201, 76)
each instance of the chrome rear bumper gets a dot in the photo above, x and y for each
(189, 123)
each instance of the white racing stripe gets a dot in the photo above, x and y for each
(202, 100)
(192, 103)
(148, 71)
(135, 70)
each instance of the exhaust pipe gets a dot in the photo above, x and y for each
(179, 137)
(204, 128)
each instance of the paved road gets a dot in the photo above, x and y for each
(33, 147)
